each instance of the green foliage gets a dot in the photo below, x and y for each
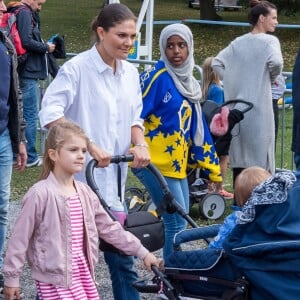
(72, 18)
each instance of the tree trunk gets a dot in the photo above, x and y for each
(208, 11)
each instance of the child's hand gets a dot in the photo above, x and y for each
(10, 292)
(150, 260)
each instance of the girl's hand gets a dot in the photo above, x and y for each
(150, 260)
(10, 292)
(100, 155)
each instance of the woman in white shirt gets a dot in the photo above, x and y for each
(99, 90)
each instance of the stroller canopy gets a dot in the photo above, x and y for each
(267, 249)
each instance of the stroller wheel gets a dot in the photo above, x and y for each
(212, 206)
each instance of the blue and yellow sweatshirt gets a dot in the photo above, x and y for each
(170, 124)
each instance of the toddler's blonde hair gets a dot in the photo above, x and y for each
(246, 181)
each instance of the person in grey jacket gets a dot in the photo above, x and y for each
(60, 223)
(12, 127)
(32, 68)
(248, 67)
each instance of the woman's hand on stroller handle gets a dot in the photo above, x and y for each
(141, 155)
(102, 157)
(138, 155)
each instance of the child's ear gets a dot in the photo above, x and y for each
(52, 154)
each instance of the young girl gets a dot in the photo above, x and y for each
(211, 83)
(59, 226)
(212, 90)
(175, 132)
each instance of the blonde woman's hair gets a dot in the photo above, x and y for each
(56, 138)
(209, 76)
(246, 181)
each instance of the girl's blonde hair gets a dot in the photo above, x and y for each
(56, 137)
(246, 181)
(209, 76)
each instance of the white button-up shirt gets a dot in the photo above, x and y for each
(105, 104)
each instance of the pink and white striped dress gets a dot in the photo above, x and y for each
(83, 286)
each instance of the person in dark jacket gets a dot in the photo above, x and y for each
(12, 126)
(296, 111)
(32, 69)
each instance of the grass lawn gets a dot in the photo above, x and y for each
(72, 18)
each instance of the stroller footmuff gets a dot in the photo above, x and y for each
(204, 273)
(197, 274)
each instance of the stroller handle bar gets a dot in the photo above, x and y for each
(122, 158)
(168, 202)
(248, 104)
(93, 164)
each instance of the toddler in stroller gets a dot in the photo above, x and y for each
(262, 248)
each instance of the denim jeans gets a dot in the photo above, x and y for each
(297, 160)
(6, 161)
(30, 91)
(180, 190)
(122, 276)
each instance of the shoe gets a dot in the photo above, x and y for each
(37, 163)
(225, 194)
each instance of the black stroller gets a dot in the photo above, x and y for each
(260, 260)
(162, 281)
